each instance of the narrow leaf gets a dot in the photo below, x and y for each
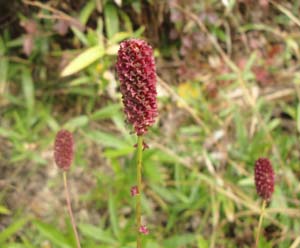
(298, 117)
(28, 89)
(4, 210)
(106, 112)
(12, 229)
(97, 233)
(113, 215)
(52, 234)
(111, 20)
(87, 11)
(108, 140)
(83, 60)
(77, 122)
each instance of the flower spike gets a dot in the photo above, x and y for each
(137, 75)
(264, 178)
(63, 149)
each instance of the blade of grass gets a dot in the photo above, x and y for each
(12, 229)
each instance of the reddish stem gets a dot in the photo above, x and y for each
(70, 209)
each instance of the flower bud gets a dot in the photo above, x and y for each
(137, 75)
(134, 190)
(264, 178)
(63, 149)
(144, 230)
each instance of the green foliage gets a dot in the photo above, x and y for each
(12, 229)
(53, 234)
(83, 60)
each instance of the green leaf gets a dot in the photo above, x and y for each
(179, 240)
(80, 35)
(87, 11)
(219, 33)
(113, 153)
(107, 112)
(279, 199)
(263, 243)
(126, 22)
(165, 193)
(4, 65)
(248, 181)
(111, 20)
(250, 62)
(113, 215)
(12, 229)
(228, 207)
(119, 37)
(4, 210)
(137, 6)
(97, 233)
(202, 243)
(152, 244)
(52, 234)
(83, 60)
(137, 33)
(273, 124)
(8, 133)
(80, 81)
(108, 140)
(14, 245)
(2, 46)
(82, 91)
(298, 117)
(77, 122)
(18, 42)
(28, 89)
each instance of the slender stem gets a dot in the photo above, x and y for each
(263, 207)
(139, 185)
(70, 209)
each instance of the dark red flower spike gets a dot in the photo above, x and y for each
(137, 75)
(63, 149)
(264, 178)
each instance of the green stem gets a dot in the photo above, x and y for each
(70, 209)
(139, 185)
(263, 207)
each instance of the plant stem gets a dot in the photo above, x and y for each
(70, 209)
(263, 207)
(139, 185)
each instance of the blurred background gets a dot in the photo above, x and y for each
(228, 93)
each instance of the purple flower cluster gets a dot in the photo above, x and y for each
(63, 149)
(137, 75)
(264, 178)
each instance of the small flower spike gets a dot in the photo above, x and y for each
(137, 75)
(134, 190)
(144, 230)
(63, 149)
(264, 178)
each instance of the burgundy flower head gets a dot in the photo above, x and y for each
(264, 178)
(63, 149)
(137, 75)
